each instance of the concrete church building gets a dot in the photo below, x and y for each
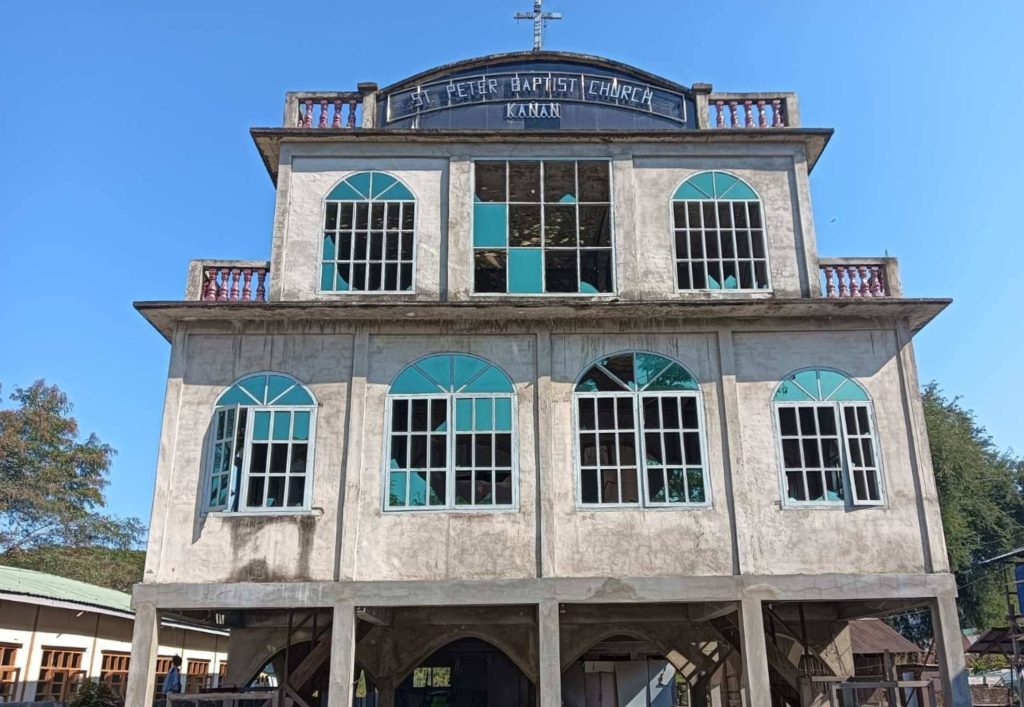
(545, 396)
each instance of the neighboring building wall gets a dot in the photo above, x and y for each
(35, 628)
(483, 544)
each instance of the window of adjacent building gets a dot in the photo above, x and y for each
(261, 452)
(437, 676)
(222, 674)
(10, 676)
(369, 228)
(640, 438)
(827, 441)
(163, 666)
(719, 234)
(60, 674)
(197, 676)
(451, 428)
(114, 671)
(542, 227)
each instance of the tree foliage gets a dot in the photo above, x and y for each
(980, 495)
(102, 566)
(95, 694)
(51, 483)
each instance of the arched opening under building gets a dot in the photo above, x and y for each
(467, 672)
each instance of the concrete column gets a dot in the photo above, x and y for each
(756, 686)
(343, 655)
(949, 652)
(142, 668)
(550, 683)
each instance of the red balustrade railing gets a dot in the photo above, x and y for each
(859, 277)
(752, 110)
(228, 280)
(329, 109)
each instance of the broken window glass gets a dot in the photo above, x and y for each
(368, 235)
(542, 227)
(719, 239)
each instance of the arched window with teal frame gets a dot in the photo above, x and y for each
(827, 439)
(369, 237)
(718, 226)
(451, 436)
(639, 433)
(261, 455)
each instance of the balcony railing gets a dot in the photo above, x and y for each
(330, 109)
(228, 280)
(745, 110)
(859, 277)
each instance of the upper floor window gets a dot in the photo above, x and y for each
(262, 437)
(640, 433)
(542, 227)
(719, 234)
(369, 227)
(451, 421)
(827, 440)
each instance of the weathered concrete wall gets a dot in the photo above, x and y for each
(188, 545)
(786, 540)
(644, 178)
(559, 539)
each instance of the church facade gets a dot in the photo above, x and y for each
(545, 396)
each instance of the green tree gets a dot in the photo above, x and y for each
(980, 495)
(95, 694)
(103, 566)
(51, 483)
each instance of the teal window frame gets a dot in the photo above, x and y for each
(719, 237)
(530, 266)
(244, 459)
(368, 242)
(657, 427)
(426, 421)
(825, 426)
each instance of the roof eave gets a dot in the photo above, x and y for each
(166, 315)
(268, 140)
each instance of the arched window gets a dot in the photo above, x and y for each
(262, 453)
(640, 436)
(719, 234)
(451, 421)
(827, 441)
(369, 243)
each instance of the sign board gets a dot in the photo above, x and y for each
(545, 96)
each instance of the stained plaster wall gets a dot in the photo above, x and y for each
(187, 544)
(644, 177)
(366, 543)
(786, 540)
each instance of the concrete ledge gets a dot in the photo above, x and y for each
(281, 595)
(164, 316)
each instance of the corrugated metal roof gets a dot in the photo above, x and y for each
(870, 636)
(14, 580)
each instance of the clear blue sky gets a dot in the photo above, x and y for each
(126, 153)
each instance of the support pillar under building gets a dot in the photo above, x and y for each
(949, 651)
(756, 681)
(145, 643)
(343, 652)
(548, 626)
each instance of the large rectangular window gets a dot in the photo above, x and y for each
(542, 227)
(432, 465)
(60, 674)
(198, 676)
(10, 676)
(114, 671)
(815, 437)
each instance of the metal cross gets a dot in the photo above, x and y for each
(539, 17)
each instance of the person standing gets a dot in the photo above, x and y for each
(172, 683)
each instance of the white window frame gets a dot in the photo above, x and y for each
(678, 258)
(611, 225)
(323, 229)
(640, 446)
(450, 506)
(238, 489)
(846, 470)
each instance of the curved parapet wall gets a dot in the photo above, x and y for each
(536, 91)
